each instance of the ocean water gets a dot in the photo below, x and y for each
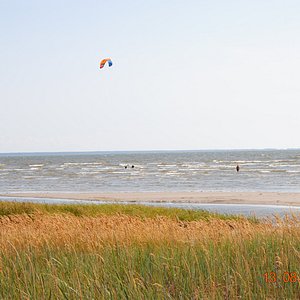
(260, 170)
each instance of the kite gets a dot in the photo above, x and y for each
(103, 62)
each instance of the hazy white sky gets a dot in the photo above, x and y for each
(186, 75)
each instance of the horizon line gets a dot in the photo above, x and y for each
(153, 150)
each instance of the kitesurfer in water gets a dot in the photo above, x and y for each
(237, 168)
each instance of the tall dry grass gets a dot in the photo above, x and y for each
(62, 256)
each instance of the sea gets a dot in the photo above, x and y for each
(260, 170)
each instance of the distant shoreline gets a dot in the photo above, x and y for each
(267, 198)
(95, 152)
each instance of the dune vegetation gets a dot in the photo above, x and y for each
(136, 252)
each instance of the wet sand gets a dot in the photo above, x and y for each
(266, 198)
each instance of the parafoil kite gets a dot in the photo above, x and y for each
(103, 62)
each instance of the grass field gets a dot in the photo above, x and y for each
(136, 252)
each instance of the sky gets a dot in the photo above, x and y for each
(186, 75)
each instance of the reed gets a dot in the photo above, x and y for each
(47, 253)
(12, 208)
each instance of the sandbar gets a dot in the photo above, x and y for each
(266, 198)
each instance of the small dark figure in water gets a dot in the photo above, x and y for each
(237, 168)
(125, 167)
(132, 166)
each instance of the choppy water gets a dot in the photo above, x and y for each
(267, 170)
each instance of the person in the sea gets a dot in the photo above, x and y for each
(237, 167)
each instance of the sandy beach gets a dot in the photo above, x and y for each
(271, 198)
